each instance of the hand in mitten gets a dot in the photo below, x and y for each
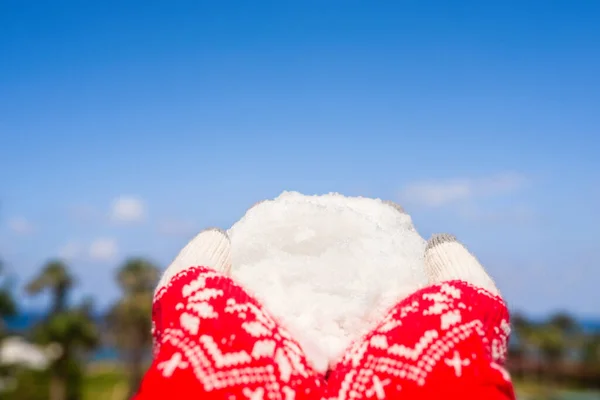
(446, 341)
(213, 340)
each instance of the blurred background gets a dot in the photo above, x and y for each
(126, 127)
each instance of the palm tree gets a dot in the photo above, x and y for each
(565, 323)
(130, 319)
(7, 304)
(571, 336)
(55, 278)
(71, 330)
(551, 343)
(8, 307)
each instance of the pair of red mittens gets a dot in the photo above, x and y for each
(213, 340)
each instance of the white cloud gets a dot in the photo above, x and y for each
(21, 226)
(70, 251)
(434, 194)
(103, 249)
(128, 209)
(440, 193)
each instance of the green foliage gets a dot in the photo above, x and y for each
(137, 275)
(8, 307)
(35, 385)
(71, 330)
(591, 352)
(130, 319)
(29, 385)
(553, 339)
(55, 278)
(555, 353)
(108, 383)
(565, 323)
(550, 340)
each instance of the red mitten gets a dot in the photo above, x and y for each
(444, 341)
(215, 341)
(448, 340)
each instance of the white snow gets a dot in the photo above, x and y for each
(327, 266)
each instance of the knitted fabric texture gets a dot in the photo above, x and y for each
(212, 340)
(215, 341)
(446, 341)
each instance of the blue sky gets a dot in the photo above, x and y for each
(127, 126)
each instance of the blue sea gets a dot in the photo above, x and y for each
(25, 321)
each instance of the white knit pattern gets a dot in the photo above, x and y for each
(369, 363)
(209, 355)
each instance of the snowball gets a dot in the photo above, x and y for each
(327, 266)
